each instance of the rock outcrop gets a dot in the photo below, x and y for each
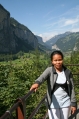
(14, 37)
(40, 40)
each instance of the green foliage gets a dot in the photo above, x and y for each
(74, 59)
(16, 79)
(9, 57)
(17, 76)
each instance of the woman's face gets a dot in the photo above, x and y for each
(57, 61)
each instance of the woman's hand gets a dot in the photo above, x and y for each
(34, 86)
(73, 109)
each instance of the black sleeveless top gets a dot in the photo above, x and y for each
(63, 86)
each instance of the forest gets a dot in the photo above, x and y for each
(19, 71)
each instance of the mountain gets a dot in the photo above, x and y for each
(40, 40)
(53, 40)
(14, 37)
(77, 45)
(68, 43)
(42, 45)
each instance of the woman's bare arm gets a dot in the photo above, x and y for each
(34, 87)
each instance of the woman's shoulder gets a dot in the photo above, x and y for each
(67, 69)
(49, 68)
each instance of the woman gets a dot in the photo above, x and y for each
(60, 91)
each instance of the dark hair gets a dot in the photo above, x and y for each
(56, 52)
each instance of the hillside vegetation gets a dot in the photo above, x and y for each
(69, 43)
(16, 77)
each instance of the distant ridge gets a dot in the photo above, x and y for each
(53, 40)
(68, 43)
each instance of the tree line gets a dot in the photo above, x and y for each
(15, 80)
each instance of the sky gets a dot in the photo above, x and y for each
(45, 18)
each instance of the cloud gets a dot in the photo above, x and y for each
(61, 26)
(46, 36)
(62, 23)
(46, 15)
(75, 30)
(71, 12)
(71, 21)
(68, 21)
(62, 5)
(76, 8)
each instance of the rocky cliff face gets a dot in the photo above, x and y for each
(68, 43)
(40, 40)
(13, 35)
